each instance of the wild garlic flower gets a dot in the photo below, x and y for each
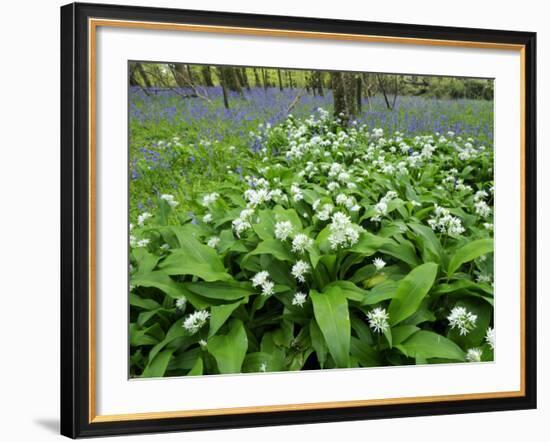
(213, 242)
(300, 269)
(203, 343)
(299, 299)
(482, 278)
(194, 322)
(143, 242)
(445, 223)
(209, 199)
(240, 225)
(490, 337)
(324, 213)
(462, 319)
(332, 186)
(143, 217)
(260, 278)
(301, 242)
(482, 209)
(283, 229)
(378, 320)
(480, 195)
(343, 233)
(169, 199)
(263, 367)
(181, 303)
(381, 208)
(474, 354)
(257, 197)
(207, 218)
(296, 192)
(379, 263)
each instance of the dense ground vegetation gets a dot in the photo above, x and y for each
(271, 236)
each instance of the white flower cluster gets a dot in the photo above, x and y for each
(261, 279)
(301, 242)
(299, 299)
(209, 199)
(169, 199)
(462, 319)
(343, 233)
(474, 354)
(181, 303)
(213, 242)
(379, 263)
(381, 208)
(300, 269)
(194, 322)
(490, 337)
(283, 230)
(242, 223)
(445, 223)
(143, 217)
(378, 320)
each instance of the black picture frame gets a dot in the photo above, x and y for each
(75, 219)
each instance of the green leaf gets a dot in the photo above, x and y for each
(220, 314)
(428, 242)
(381, 292)
(226, 291)
(197, 369)
(426, 344)
(349, 289)
(410, 292)
(404, 251)
(194, 258)
(147, 304)
(275, 248)
(157, 367)
(229, 350)
(469, 252)
(369, 244)
(175, 290)
(318, 343)
(332, 315)
(402, 332)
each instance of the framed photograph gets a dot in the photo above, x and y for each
(276, 220)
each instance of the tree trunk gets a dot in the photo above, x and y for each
(257, 81)
(280, 80)
(344, 94)
(244, 76)
(222, 77)
(207, 76)
(143, 75)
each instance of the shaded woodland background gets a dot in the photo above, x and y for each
(350, 91)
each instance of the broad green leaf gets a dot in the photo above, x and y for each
(197, 369)
(157, 367)
(349, 289)
(194, 258)
(318, 343)
(265, 229)
(402, 332)
(275, 248)
(410, 292)
(469, 252)
(332, 315)
(460, 285)
(404, 251)
(146, 262)
(220, 314)
(175, 290)
(369, 244)
(427, 344)
(226, 291)
(229, 350)
(428, 241)
(381, 292)
(366, 354)
(147, 304)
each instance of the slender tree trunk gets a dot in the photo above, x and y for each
(244, 76)
(280, 79)
(359, 93)
(222, 76)
(257, 81)
(264, 78)
(207, 76)
(143, 75)
(344, 91)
